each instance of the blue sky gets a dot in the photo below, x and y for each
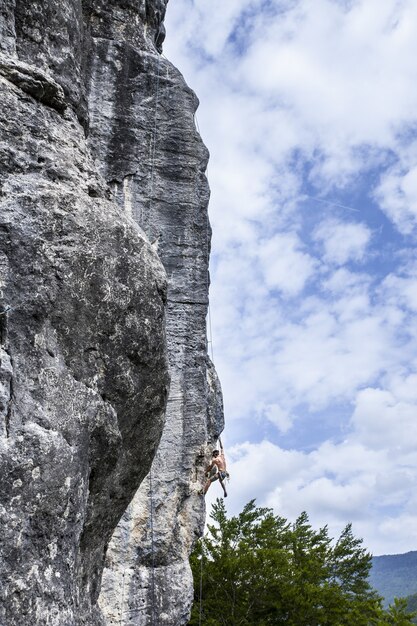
(309, 111)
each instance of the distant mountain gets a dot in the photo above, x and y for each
(394, 575)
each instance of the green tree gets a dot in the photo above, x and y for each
(398, 614)
(412, 606)
(257, 569)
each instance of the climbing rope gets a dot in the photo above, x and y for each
(154, 134)
(210, 332)
(210, 341)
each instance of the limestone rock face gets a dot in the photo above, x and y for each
(143, 134)
(83, 362)
(104, 248)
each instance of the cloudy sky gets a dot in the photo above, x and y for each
(309, 110)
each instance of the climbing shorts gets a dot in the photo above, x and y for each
(215, 474)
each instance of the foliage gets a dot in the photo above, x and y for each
(412, 602)
(412, 606)
(257, 569)
(398, 614)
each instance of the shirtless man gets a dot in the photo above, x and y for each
(216, 470)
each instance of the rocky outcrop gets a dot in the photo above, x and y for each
(147, 579)
(83, 365)
(104, 246)
(153, 159)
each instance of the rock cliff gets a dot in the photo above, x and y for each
(104, 247)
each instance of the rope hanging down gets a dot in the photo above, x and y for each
(155, 130)
(210, 341)
(209, 333)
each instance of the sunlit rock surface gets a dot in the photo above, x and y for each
(104, 248)
(142, 132)
(83, 362)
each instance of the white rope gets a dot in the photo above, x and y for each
(210, 341)
(210, 331)
(154, 134)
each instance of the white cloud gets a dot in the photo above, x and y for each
(278, 416)
(333, 68)
(284, 264)
(401, 287)
(342, 241)
(343, 281)
(336, 483)
(397, 195)
(405, 387)
(319, 98)
(321, 361)
(396, 534)
(382, 420)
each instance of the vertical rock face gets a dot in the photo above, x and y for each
(104, 246)
(83, 363)
(143, 134)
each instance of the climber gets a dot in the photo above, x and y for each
(216, 470)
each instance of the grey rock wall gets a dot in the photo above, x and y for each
(104, 247)
(83, 362)
(142, 132)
